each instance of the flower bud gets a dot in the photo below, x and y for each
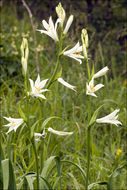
(85, 37)
(61, 13)
(69, 22)
(24, 54)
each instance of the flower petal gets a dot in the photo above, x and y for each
(66, 84)
(61, 133)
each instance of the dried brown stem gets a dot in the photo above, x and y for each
(34, 34)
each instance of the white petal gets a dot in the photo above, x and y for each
(45, 24)
(66, 84)
(98, 86)
(37, 82)
(61, 133)
(58, 20)
(91, 94)
(40, 95)
(101, 72)
(79, 60)
(43, 83)
(69, 22)
(72, 50)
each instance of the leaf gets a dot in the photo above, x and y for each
(47, 120)
(33, 126)
(30, 181)
(115, 174)
(92, 72)
(76, 184)
(1, 158)
(58, 75)
(8, 175)
(22, 113)
(97, 183)
(77, 166)
(46, 182)
(47, 164)
(58, 164)
(93, 119)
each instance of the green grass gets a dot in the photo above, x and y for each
(70, 107)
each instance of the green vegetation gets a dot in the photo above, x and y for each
(62, 160)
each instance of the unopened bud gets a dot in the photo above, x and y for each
(85, 37)
(61, 13)
(24, 54)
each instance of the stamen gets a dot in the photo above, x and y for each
(92, 88)
(78, 53)
(38, 88)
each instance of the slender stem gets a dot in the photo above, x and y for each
(36, 160)
(58, 61)
(88, 142)
(88, 157)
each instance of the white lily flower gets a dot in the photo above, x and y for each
(111, 118)
(14, 123)
(61, 133)
(68, 24)
(101, 72)
(50, 28)
(91, 88)
(75, 53)
(39, 135)
(66, 84)
(37, 88)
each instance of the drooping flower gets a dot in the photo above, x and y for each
(14, 123)
(111, 118)
(39, 135)
(61, 133)
(90, 88)
(101, 72)
(68, 24)
(50, 28)
(75, 53)
(66, 84)
(37, 88)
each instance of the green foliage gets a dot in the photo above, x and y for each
(107, 40)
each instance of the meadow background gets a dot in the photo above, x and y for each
(105, 22)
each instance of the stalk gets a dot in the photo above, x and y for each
(58, 60)
(88, 157)
(36, 160)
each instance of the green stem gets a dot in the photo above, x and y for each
(88, 142)
(88, 157)
(58, 61)
(36, 160)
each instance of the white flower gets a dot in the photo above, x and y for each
(14, 123)
(50, 28)
(39, 135)
(101, 72)
(91, 88)
(37, 88)
(66, 84)
(75, 53)
(61, 133)
(111, 118)
(68, 24)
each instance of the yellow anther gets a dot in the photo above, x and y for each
(13, 124)
(78, 53)
(92, 88)
(38, 88)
